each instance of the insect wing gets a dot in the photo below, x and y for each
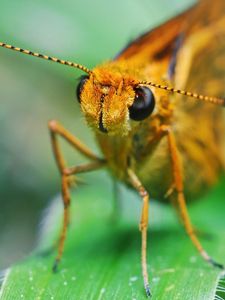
(158, 43)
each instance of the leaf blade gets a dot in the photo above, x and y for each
(102, 260)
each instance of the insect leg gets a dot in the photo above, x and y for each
(143, 226)
(58, 130)
(174, 203)
(178, 181)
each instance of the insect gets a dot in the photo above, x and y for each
(143, 107)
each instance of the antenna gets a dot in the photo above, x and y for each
(214, 100)
(54, 59)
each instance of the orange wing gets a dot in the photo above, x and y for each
(158, 42)
(201, 61)
(164, 42)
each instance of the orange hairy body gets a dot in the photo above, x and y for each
(201, 145)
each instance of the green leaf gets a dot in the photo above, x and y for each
(102, 257)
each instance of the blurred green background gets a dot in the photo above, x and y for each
(34, 91)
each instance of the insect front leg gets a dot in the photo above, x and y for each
(143, 226)
(66, 172)
(178, 182)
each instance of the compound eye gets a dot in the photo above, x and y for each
(80, 86)
(143, 105)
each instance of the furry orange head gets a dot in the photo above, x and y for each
(111, 95)
(106, 96)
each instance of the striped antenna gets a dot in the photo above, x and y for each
(54, 59)
(214, 100)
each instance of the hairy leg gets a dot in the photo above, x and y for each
(182, 207)
(143, 226)
(66, 172)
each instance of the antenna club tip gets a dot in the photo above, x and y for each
(148, 290)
